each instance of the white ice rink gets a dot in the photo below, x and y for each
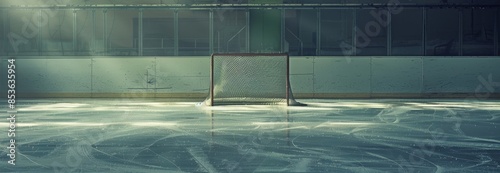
(134, 135)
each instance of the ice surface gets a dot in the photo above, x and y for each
(100, 135)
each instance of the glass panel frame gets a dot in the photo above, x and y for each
(121, 30)
(158, 33)
(442, 32)
(478, 32)
(336, 29)
(301, 32)
(374, 38)
(194, 32)
(407, 34)
(230, 31)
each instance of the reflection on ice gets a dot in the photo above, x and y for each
(326, 136)
(154, 124)
(52, 107)
(337, 124)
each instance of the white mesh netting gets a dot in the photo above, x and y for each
(250, 79)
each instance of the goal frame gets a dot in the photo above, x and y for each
(249, 55)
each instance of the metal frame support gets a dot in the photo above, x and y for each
(259, 5)
(247, 15)
(105, 31)
(495, 34)
(93, 38)
(354, 40)
(4, 42)
(212, 80)
(389, 33)
(287, 79)
(176, 32)
(40, 38)
(424, 23)
(75, 31)
(231, 39)
(282, 31)
(460, 32)
(211, 31)
(141, 32)
(318, 33)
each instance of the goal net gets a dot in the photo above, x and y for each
(249, 79)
